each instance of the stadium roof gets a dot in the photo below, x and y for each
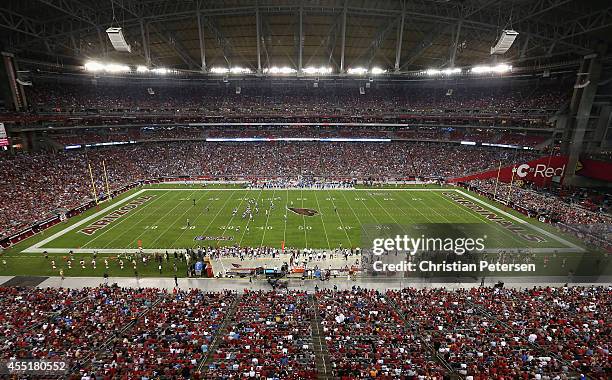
(390, 34)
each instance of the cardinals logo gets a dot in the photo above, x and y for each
(304, 211)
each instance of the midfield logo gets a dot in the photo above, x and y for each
(304, 211)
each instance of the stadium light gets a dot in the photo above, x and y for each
(448, 71)
(219, 70)
(317, 70)
(115, 68)
(142, 69)
(274, 70)
(452, 71)
(357, 71)
(160, 70)
(501, 68)
(377, 71)
(108, 67)
(93, 66)
(240, 70)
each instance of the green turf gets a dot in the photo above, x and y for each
(160, 224)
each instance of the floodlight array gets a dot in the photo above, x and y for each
(364, 71)
(322, 70)
(499, 69)
(274, 70)
(447, 72)
(107, 67)
(95, 66)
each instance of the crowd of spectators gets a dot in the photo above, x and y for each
(367, 338)
(105, 135)
(66, 324)
(168, 342)
(435, 333)
(223, 101)
(38, 185)
(496, 333)
(269, 336)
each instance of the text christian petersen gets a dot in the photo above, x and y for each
(404, 244)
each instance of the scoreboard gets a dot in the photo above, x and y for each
(3, 137)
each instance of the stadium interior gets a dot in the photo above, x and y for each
(199, 189)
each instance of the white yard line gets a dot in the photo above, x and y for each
(352, 209)
(267, 219)
(401, 226)
(249, 221)
(304, 219)
(339, 218)
(285, 215)
(322, 221)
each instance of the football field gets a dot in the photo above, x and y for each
(159, 218)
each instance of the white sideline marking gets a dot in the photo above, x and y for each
(36, 248)
(303, 189)
(154, 250)
(521, 221)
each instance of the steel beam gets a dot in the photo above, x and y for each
(524, 48)
(538, 7)
(453, 54)
(145, 42)
(400, 37)
(580, 113)
(202, 44)
(301, 39)
(222, 41)
(175, 45)
(377, 42)
(343, 36)
(586, 24)
(102, 41)
(258, 27)
(74, 10)
(26, 26)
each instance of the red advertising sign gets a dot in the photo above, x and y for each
(540, 171)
